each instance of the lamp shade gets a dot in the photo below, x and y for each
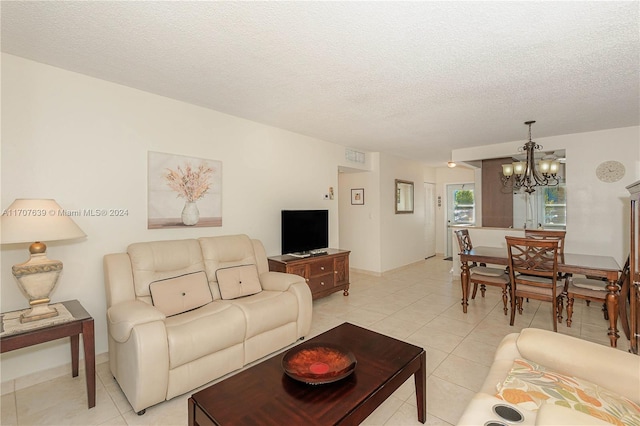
(30, 220)
(507, 169)
(519, 167)
(544, 166)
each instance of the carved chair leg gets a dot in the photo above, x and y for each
(519, 302)
(513, 309)
(475, 290)
(588, 302)
(483, 288)
(504, 299)
(569, 310)
(560, 307)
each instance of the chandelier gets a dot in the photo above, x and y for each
(524, 175)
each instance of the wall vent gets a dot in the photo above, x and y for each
(354, 156)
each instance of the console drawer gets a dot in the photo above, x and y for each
(321, 282)
(321, 267)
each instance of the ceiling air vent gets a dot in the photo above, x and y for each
(354, 156)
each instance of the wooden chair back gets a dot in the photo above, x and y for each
(464, 240)
(533, 257)
(533, 271)
(546, 234)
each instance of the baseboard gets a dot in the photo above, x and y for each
(365, 272)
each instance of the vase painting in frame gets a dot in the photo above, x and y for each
(183, 191)
(357, 196)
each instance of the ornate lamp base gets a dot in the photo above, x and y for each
(37, 278)
(39, 310)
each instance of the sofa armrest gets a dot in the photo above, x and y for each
(118, 278)
(296, 285)
(123, 317)
(608, 367)
(279, 281)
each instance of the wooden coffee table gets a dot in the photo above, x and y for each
(264, 395)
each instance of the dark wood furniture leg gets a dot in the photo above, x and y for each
(88, 341)
(75, 357)
(192, 412)
(464, 279)
(612, 307)
(623, 299)
(420, 378)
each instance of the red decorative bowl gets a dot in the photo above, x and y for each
(318, 363)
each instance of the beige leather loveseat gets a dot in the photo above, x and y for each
(182, 313)
(554, 379)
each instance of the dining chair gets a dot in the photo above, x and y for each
(483, 275)
(533, 272)
(545, 234)
(595, 290)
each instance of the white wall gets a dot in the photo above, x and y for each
(380, 239)
(597, 212)
(84, 142)
(402, 235)
(360, 224)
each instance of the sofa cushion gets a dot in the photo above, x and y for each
(179, 294)
(224, 252)
(158, 260)
(238, 281)
(530, 385)
(214, 327)
(268, 310)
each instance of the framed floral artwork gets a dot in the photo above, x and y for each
(357, 196)
(183, 191)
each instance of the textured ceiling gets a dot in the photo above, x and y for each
(415, 79)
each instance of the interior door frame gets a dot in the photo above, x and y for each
(430, 219)
(449, 188)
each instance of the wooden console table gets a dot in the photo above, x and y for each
(325, 274)
(82, 323)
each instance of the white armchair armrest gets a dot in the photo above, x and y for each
(610, 368)
(279, 281)
(124, 316)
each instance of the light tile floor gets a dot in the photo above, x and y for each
(419, 304)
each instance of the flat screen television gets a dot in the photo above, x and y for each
(304, 230)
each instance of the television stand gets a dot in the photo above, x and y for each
(324, 274)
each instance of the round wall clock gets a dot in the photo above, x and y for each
(610, 171)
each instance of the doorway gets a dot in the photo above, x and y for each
(461, 210)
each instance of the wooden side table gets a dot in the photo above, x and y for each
(82, 323)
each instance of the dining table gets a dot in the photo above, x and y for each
(569, 263)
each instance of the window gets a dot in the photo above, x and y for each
(463, 207)
(554, 206)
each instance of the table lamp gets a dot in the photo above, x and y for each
(29, 220)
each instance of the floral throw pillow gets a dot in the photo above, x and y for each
(530, 385)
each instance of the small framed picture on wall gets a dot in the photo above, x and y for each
(357, 196)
